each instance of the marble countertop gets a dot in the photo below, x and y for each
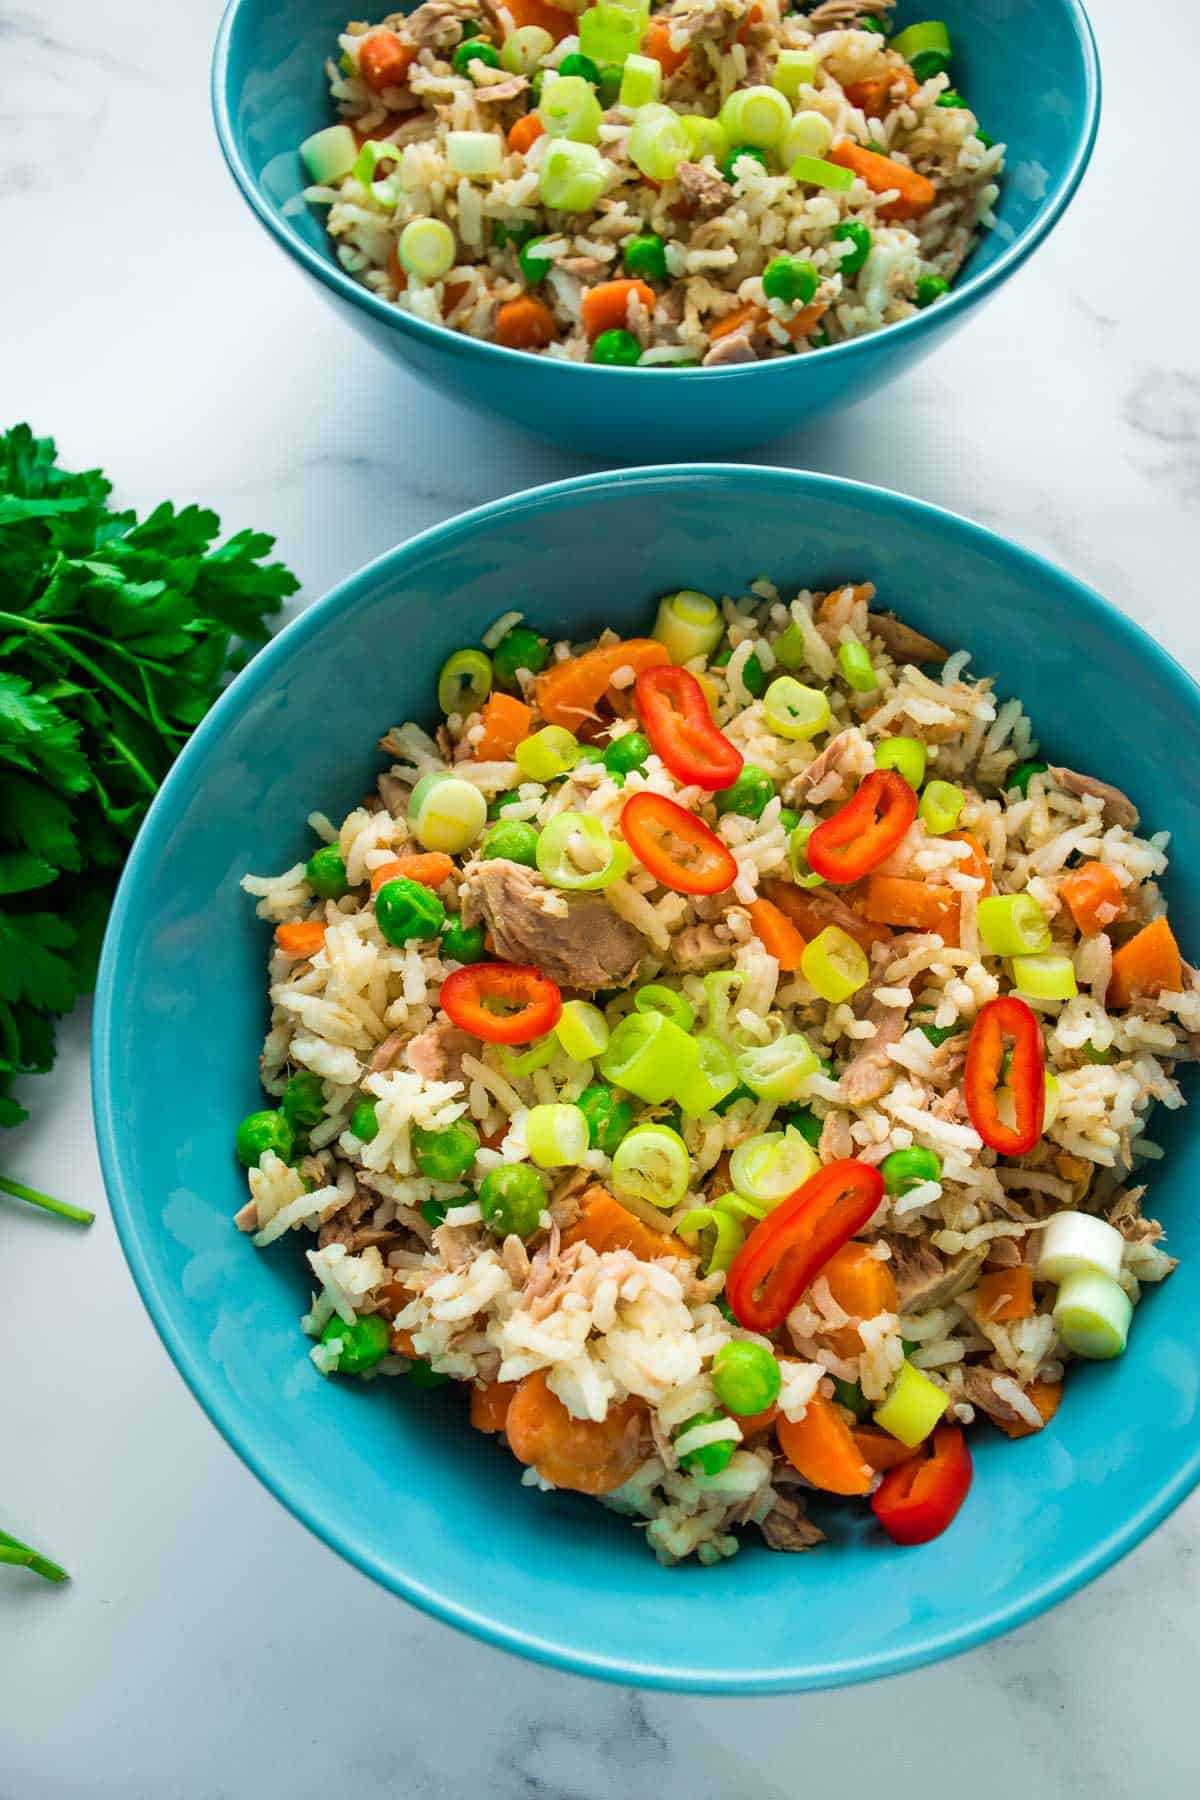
(151, 326)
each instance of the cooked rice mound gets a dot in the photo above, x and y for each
(633, 1331)
(719, 226)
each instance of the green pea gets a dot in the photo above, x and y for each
(712, 1458)
(474, 50)
(907, 1169)
(609, 91)
(577, 64)
(869, 24)
(930, 288)
(626, 753)
(928, 63)
(745, 1378)
(608, 1118)
(511, 1199)
(519, 648)
(422, 1374)
(851, 232)
(804, 1120)
(260, 1132)
(502, 804)
(749, 794)
(789, 818)
(753, 678)
(616, 349)
(513, 840)
(445, 1155)
(790, 278)
(303, 1101)
(850, 1395)
(534, 266)
(937, 1034)
(646, 257)
(434, 1212)
(720, 656)
(734, 157)
(985, 138)
(1023, 774)
(363, 1344)
(908, 1345)
(462, 943)
(364, 1121)
(405, 910)
(470, 28)
(951, 99)
(536, 83)
(325, 873)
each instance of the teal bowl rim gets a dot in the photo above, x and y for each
(975, 288)
(132, 899)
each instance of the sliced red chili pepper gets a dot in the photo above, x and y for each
(472, 998)
(676, 719)
(917, 1501)
(784, 1254)
(999, 1020)
(678, 848)
(865, 831)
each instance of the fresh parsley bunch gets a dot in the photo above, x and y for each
(115, 639)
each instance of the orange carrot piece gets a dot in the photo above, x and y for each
(525, 324)
(1147, 964)
(657, 43)
(385, 59)
(568, 693)
(913, 905)
(1094, 895)
(810, 913)
(915, 193)
(490, 1402)
(605, 308)
(751, 1424)
(874, 96)
(401, 1343)
(752, 18)
(1045, 1396)
(554, 19)
(822, 1448)
(976, 865)
(805, 321)
(1005, 1294)
(881, 1449)
(452, 293)
(777, 935)
(506, 722)
(827, 603)
(585, 1455)
(429, 867)
(302, 939)
(525, 133)
(607, 1225)
(396, 268)
(748, 314)
(862, 1286)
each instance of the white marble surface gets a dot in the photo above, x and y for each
(150, 325)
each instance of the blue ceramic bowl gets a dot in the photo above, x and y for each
(391, 1476)
(1029, 68)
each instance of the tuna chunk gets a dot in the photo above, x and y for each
(925, 1280)
(871, 1071)
(577, 940)
(734, 347)
(787, 1528)
(1118, 808)
(903, 643)
(437, 1052)
(701, 947)
(704, 190)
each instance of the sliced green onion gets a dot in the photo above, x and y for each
(547, 754)
(654, 997)
(464, 681)
(641, 82)
(1012, 925)
(330, 155)
(711, 1080)
(473, 152)
(688, 624)
(368, 160)
(727, 1235)
(427, 248)
(794, 711)
(940, 806)
(705, 137)
(1075, 1243)
(778, 1071)
(719, 989)
(1044, 977)
(856, 666)
(522, 1063)
(609, 33)
(794, 69)
(791, 652)
(658, 143)
(652, 1163)
(648, 1055)
(758, 116)
(817, 173)
(449, 815)
(575, 852)
(802, 874)
(523, 50)
(772, 1166)
(557, 1136)
(913, 1406)
(809, 134)
(582, 1030)
(1006, 1103)
(568, 108)
(1092, 1314)
(904, 754)
(739, 1206)
(834, 965)
(572, 176)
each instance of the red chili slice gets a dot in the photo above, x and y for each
(676, 719)
(917, 1501)
(865, 831)
(650, 824)
(786, 1252)
(999, 1020)
(471, 996)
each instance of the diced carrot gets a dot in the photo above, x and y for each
(777, 935)
(821, 1447)
(525, 133)
(862, 1286)
(302, 939)
(805, 321)
(748, 314)
(1005, 1294)
(554, 19)
(881, 1449)
(402, 1343)
(810, 912)
(752, 18)
(568, 693)
(976, 865)
(396, 268)
(912, 905)
(1045, 1396)
(828, 603)
(1146, 965)
(657, 43)
(605, 308)
(385, 59)
(915, 193)
(506, 721)
(525, 324)
(607, 1225)
(452, 293)
(751, 1424)
(429, 867)
(585, 1455)
(490, 1402)
(1094, 895)
(875, 95)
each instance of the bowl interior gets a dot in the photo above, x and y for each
(391, 1476)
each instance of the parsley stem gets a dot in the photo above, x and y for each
(126, 754)
(55, 638)
(12, 1550)
(75, 1213)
